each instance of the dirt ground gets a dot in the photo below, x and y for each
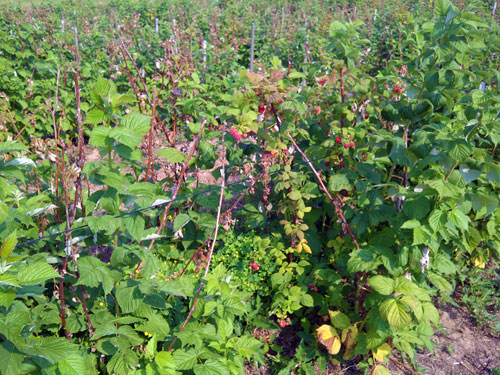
(462, 348)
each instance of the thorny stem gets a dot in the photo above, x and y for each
(336, 202)
(138, 72)
(342, 94)
(149, 169)
(56, 138)
(176, 191)
(61, 298)
(216, 231)
(276, 117)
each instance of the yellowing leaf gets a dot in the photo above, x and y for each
(328, 336)
(349, 336)
(307, 249)
(382, 351)
(380, 370)
(478, 262)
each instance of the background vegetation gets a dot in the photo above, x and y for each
(165, 210)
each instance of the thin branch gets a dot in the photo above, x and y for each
(149, 168)
(226, 213)
(336, 202)
(214, 240)
(176, 191)
(138, 71)
(403, 365)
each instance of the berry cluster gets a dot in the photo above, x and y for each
(236, 134)
(254, 266)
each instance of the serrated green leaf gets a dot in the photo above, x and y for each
(72, 365)
(36, 273)
(440, 282)
(8, 245)
(211, 367)
(181, 220)
(395, 312)
(339, 182)
(339, 319)
(10, 359)
(172, 155)
(381, 284)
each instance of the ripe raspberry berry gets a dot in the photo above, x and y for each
(338, 140)
(317, 109)
(282, 324)
(320, 122)
(327, 163)
(322, 82)
(352, 144)
(256, 266)
(367, 116)
(346, 145)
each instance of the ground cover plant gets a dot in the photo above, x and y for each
(182, 182)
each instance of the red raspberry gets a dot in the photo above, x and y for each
(317, 109)
(352, 144)
(338, 140)
(322, 82)
(367, 116)
(346, 145)
(255, 266)
(327, 163)
(282, 324)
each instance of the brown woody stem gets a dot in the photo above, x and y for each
(336, 202)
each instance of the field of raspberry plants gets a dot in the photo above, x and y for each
(217, 187)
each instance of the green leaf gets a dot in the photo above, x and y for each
(99, 136)
(36, 273)
(172, 155)
(468, 174)
(339, 319)
(440, 282)
(459, 150)
(430, 312)
(93, 271)
(95, 116)
(185, 359)
(395, 312)
(338, 182)
(458, 218)
(437, 220)
(7, 296)
(441, 7)
(294, 195)
(129, 297)
(11, 146)
(180, 221)
(72, 365)
(10, 359)
(54, 349)
(410, 224)
(137, 123)
(8, 245)
(211, 367)
(381, 284)
(416, 208)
